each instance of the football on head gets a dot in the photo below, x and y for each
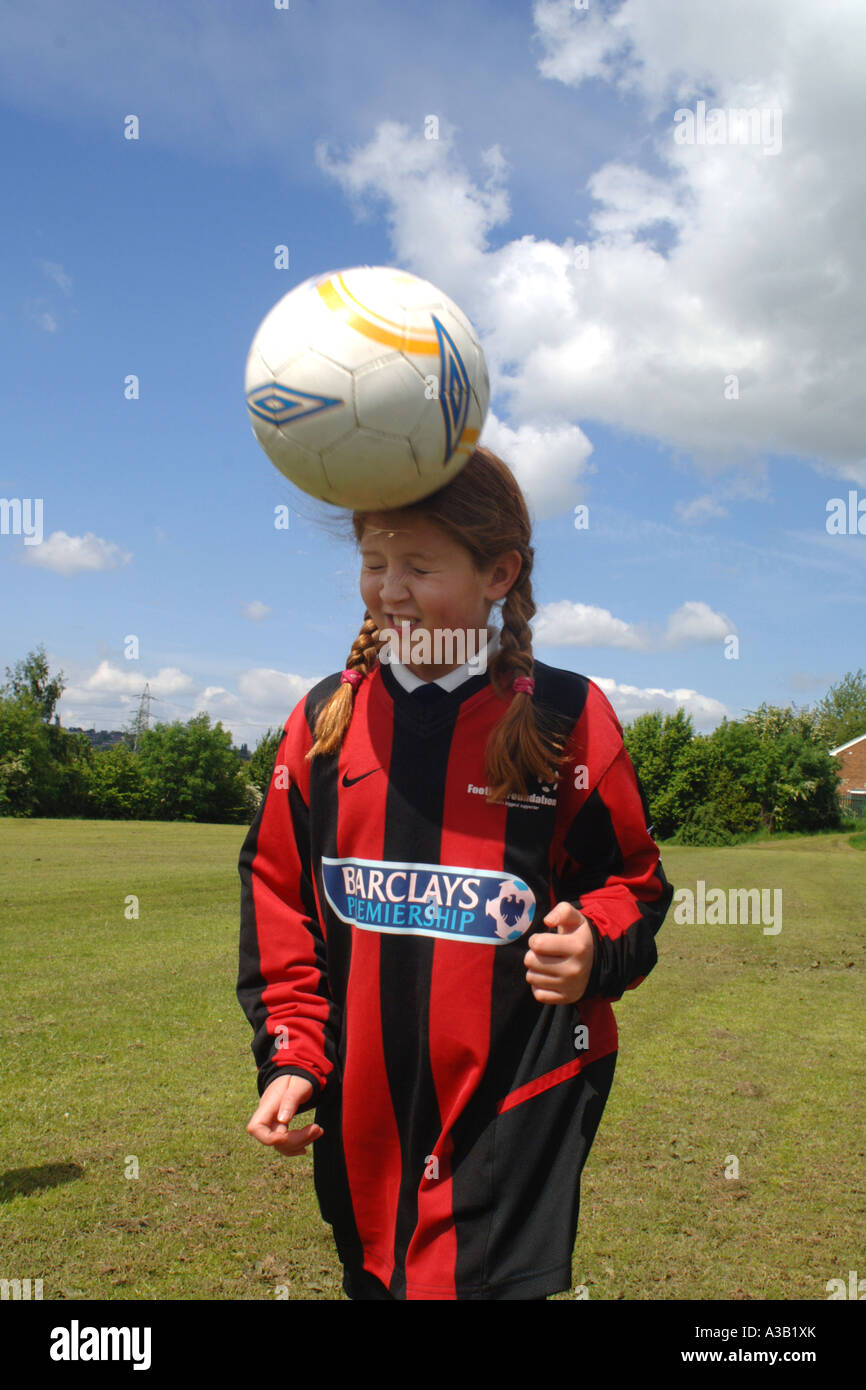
(367, 388)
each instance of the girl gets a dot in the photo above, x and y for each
(448, 881)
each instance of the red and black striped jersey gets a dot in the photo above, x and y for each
(386, 908)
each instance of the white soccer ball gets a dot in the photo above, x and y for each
(367, 388)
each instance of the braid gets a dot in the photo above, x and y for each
(514, 657)
(334, 716)
(522, 744)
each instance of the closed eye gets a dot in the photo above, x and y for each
(373, 569)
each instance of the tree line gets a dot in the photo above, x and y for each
(769, 771)
(180, 771)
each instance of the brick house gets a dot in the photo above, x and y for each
(851, 761)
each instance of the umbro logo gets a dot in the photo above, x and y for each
(350, 781)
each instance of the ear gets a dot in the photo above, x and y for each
(504, 575)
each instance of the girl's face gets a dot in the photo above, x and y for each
(413, 571)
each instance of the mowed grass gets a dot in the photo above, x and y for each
(124, 1050)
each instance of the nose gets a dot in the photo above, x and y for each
(393, 588)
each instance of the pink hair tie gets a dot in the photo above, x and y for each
(352, 678)
(524, 683)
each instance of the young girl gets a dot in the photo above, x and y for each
(448, 881)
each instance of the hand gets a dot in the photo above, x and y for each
(278, 1105)
(559, 961)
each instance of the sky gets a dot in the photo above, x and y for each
(670, 299)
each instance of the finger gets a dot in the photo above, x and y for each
(546, 965)
(295, 1142)
(544, 959)
(264, 1124)
(560, 913)
(547, 941)
(546, 969)
(261, 1130)
(563, 917)
(297, 1093)
(298, 1137)
(547, 996)
(552, 979)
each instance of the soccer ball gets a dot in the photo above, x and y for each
(367, 388)
(512, 909)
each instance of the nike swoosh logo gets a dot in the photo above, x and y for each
(350, 781)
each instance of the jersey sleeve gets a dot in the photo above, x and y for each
(282, 978)
(606, 863)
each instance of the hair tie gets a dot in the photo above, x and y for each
(352, 678)
(523, 683)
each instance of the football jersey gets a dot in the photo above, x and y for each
(386, 910)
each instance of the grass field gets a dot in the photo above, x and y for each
(124, 1048)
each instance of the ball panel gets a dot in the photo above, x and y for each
(301, 466)
(286, 331)
(371, 470)
(373, 317)
(390, 395)
(312, 401)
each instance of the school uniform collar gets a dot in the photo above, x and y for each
(411, 682)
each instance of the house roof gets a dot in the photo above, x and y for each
(849, 744)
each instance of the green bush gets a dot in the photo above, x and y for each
(196, 774)
(118, 788)
(28, 775)
(705, 827)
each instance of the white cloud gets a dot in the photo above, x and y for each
(547, 463)
(574, 54)
(108, 679)
(629, 701)
(733, 487)
(55, 272)
(256, 610)
(66, 554)
(43, 318)
(265, 699)
(109, 696)
(740, 334)
(647, 48)
(564, 623)
(263, 687)
(696, 622)
(437, 213)
(700, 508)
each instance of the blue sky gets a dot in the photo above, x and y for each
(707, 262)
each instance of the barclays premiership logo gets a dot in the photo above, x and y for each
(478, 905)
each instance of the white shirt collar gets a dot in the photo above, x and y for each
(410, 681)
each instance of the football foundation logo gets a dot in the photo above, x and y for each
(484, 906)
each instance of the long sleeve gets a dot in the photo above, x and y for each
(282, 978)
(607, 864)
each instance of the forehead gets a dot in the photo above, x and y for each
(404, 534)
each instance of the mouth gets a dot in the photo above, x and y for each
(396, 620)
